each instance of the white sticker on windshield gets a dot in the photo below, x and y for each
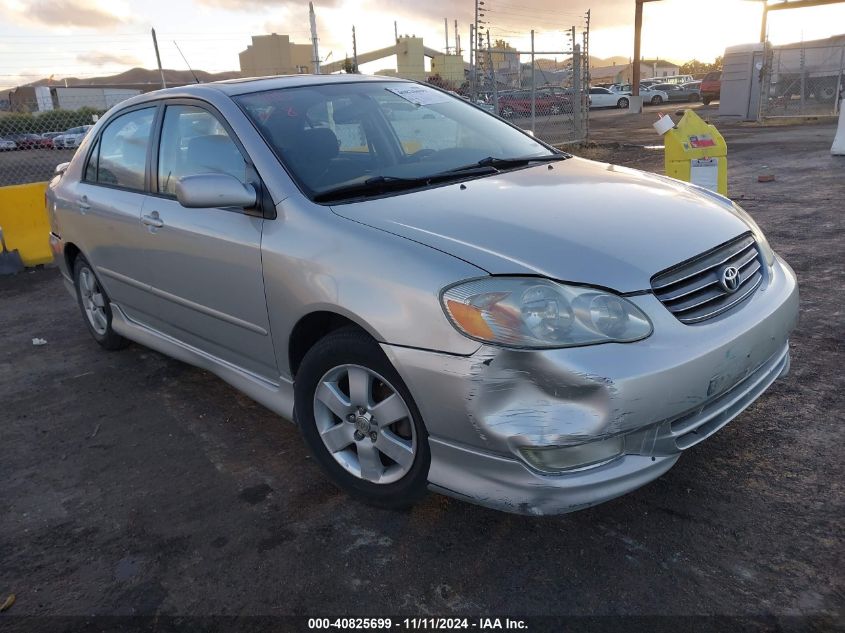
(419, 95)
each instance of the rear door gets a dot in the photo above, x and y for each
(205, 264)
(108, 200)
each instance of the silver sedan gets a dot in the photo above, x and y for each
(439, 300)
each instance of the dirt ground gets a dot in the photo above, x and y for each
(135, 484)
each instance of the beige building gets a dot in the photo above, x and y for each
(275, 55)
(623, 73)
(449, 67)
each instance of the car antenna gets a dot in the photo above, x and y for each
(186, 61)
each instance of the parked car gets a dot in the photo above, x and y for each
(71, 139)
(605, 98)
(711, 87)
(51, 135)
(675, 92)
(673, 79)
(518, 103)
(30, 141)
(7, 144)
(649, 94)
(448, 304)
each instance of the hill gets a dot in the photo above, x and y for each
(139, 76)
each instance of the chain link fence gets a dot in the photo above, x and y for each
(537, 80)
(804, 79)
(33, 140)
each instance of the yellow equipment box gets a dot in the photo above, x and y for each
(697, 153)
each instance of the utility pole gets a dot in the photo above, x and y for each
(446, 28)
(493, 75)
(315, 47)
(472, 62)
(395, 30)
(158, 59)
(457, 40)
(474, 42)
(533, 87)
(354, 51)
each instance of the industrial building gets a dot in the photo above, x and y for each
(275, 55)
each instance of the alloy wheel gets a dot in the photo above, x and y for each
(93, 301)
(365, 424)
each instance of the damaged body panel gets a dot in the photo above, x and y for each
(662, 395)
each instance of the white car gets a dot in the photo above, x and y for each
(649, 95)
(7, 145)
(604, 98)
(70, 139)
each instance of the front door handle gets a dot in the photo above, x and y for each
(153, 220)
(83, 205)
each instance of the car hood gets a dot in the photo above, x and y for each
(574, 220)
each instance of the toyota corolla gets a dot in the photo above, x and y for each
(439, 300)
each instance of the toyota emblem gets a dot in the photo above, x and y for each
(730, 278)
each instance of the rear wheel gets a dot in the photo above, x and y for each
(622, 103)
(706, 100)
(507, 112)
(556, 109)
(693, 98)
(656, 100)
(360, 422)
(95, 306)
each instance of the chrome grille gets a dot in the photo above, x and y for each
(692, 290)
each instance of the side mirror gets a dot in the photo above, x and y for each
(206, 191)
(61, 168)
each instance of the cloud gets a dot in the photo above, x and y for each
(98, 58)
(70, 13)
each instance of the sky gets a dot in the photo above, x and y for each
(86, 38)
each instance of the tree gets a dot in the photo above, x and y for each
(437, 80)
(348, 66)
(697, 68)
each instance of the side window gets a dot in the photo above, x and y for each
(122, 151)
(194, 142)
(91, 167)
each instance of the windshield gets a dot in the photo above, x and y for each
(333, 137)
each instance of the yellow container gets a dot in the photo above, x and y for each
(25, 224)
(697, 153)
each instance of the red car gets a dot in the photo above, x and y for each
(518, 103)
(30, 141)
(711, 86)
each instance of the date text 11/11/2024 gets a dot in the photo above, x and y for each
(418, 624)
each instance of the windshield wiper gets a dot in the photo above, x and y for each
(508, 163)
(383, 184)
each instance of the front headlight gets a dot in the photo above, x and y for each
(525, 312)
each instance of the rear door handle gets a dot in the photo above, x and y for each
(152, 220)
(83, 205)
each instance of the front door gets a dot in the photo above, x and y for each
(109, 198)
(205, 264)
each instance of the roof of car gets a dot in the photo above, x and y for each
(256, 84)
(233, 87)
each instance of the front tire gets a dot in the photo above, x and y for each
(622, 104)
(507, 112)
(656, 100)
(360, 422)
(95, 306)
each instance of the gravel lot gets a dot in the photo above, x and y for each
(135, 484)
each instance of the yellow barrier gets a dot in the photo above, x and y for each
(24, 221)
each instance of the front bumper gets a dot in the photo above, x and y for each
(663, 394)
